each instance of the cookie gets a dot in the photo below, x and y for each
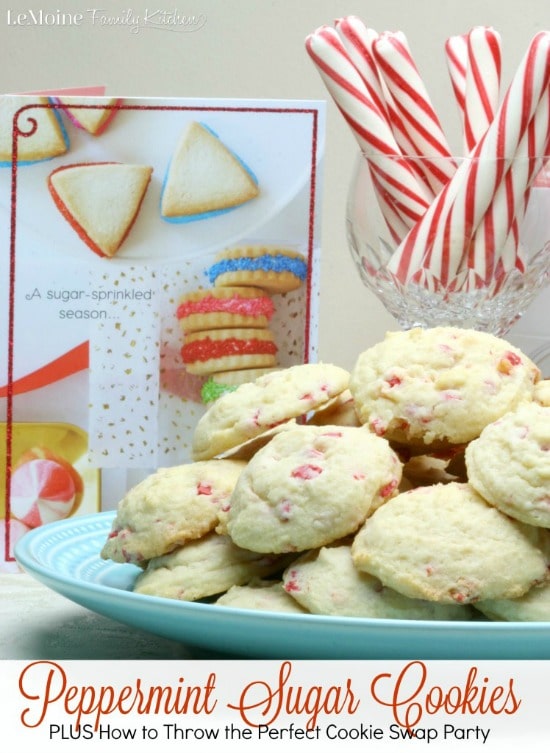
(228, 381)
(542, 392)
(262, 595)
(309, 486)
(338, 412)
(509, 464)
(101, 201)
(534, 606)
(45, 137)
(202, 568)
(445, 543)
(439, 387)
(272, 268)
(215, 350)
(205, 177)
(90, 114)
(224, 307)
(168, 508)
(327, 582)
(256, 407)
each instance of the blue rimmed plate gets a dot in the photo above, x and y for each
(65, 557)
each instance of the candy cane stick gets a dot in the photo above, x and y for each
(456, 51)
(440, 239)
(412, 101)
(358, 41)
(496, 239)
(369, 125)
(482, 84)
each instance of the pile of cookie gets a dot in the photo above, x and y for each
(416, 486)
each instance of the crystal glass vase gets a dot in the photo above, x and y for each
(468, 245)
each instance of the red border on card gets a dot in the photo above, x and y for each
(17, 133)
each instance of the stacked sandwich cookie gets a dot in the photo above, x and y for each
(226, 327)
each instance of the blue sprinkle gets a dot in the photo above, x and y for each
(265, 263)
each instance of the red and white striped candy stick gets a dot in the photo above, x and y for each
(496, 241)
(413, 103)
(456, 51)
(358, 40)
(397, 182)
(482, 84)
(442, 237)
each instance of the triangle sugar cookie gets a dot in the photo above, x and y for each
(204, 177)
(91, 114)
(100, 200)
(47, 140)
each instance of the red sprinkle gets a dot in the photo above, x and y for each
(203, 488)
(507, 362)
(378, 426)
(386, 490)
(306, 472)
(393, 381)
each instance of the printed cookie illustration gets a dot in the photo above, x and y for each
(273, 268)
(100, 201)
(204, 177)
(48, 140)
(91, 114)
(216, 350)
(224, 307)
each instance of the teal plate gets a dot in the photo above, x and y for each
(65, 557)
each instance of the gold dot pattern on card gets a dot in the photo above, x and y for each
(124, 369)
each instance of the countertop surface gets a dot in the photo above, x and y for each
(37, 623)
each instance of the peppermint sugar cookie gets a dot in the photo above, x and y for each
(326, 581)
(263, 595)
(202, 568)
(534, 606)
(168, 508)
(509, 464)
(256, 407)
(445, 543)
(439, 386)
(309, 486)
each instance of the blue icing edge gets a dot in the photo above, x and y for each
(215, 212)
(265, 263)
(64, 134)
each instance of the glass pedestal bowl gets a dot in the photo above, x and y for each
(492, 285)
